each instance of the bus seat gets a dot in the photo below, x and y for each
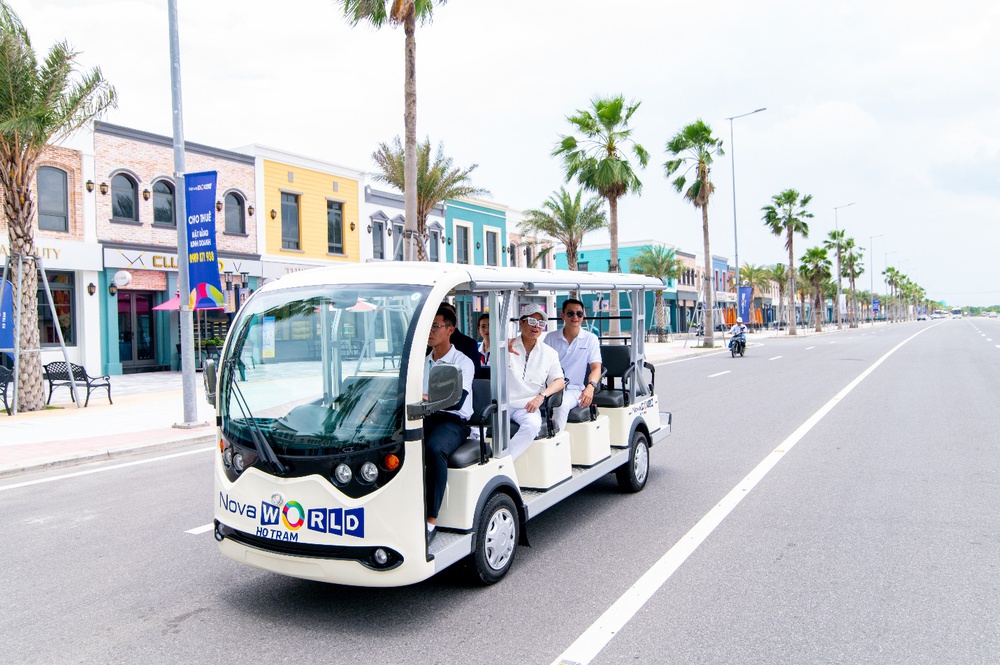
(547, 410)
(617, 361)
(475, 451)
(586, 414)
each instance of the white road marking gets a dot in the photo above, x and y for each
(103, 469)
(774, 358)
(810, 347)
(198, 530)
(596, 637)
(712, 376)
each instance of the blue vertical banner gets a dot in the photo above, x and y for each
(203, 262)
(7, 319)
(744, 305)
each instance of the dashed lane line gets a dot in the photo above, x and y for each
(712, 376)
(774, 358)
(810, 347)
(198, 530)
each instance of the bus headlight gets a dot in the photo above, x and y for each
(238, 463)
(369, 472)
(227, 457)
(381, 557)
(343, 474)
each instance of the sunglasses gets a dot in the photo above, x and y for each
(533, 322)
(574, 314)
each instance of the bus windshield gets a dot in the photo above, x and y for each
(316, 371)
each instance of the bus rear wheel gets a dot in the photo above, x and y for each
(496, 539)
(632, 475)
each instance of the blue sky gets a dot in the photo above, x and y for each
(890, 105)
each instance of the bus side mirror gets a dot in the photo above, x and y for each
(210, 376)
(444, 389)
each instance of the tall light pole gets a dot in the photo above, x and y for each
(732, 161)
(871, 272)
(836, 230)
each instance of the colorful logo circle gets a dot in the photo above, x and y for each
(300, 515)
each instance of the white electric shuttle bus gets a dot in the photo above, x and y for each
(320, 405)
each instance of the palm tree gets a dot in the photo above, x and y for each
(835, 241)
(662, 263)
(779, 273)
(566, 219)
(817, 269)
(786, 215)
(406, 13)
(436, 182)
(598, 161)
(852, 267)
(756, 277)
(892, 277)
(695, 147)
(803, 290)
(38, 105)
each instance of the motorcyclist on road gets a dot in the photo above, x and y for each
(738, 330)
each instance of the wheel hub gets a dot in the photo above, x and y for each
(641, 463)
(500, 542)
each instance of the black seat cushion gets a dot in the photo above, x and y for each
(579, 414)
(467, 454)
(609, 399)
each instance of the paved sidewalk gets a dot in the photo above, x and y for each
(147, 406)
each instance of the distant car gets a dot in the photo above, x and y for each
(993, 315)
(938, 314)
(921, 317)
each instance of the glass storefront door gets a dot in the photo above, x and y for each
(136, 333)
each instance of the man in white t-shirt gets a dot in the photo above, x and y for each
(580, 355)
(446, 430)
(533, 373)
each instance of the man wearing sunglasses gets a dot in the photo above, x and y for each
(533, 373)
(580, 356)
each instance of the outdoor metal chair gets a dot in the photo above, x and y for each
(58, 375)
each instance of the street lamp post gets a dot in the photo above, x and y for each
(836, 229)
(732, 162)
(871, 273)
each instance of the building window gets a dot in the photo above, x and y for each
(529, 256)
(289, 221)
(583, 266)
(397, 242)
(124, 202)
(61, 285)
(235, 221)
(378, 239)
(335, 227)
(163, 203)
(492, 244)
(461, 244)
(512, 254)
(434, 246)
(53, 199)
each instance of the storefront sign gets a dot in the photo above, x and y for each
(203, 264)
(137, 259)
(63, 254)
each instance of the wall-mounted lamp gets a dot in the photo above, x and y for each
(369, 228)
(352, 226)
(503, 250)
(113, 290)
(442, 240)
(90, 185)
(218, 206)
(449, 240)
(250, 210)
(478, 245)
(104, 188)
(145, 195)
(91, 288)
(274, 213)
(388, 232)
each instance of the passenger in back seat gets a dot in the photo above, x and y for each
(533, 373)
(580, 354)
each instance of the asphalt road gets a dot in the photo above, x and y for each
(872, 537)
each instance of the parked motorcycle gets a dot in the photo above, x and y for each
(738, 344)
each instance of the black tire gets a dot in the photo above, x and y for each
(732, 350)
(632, 476)
(496, 539)
(743, 348)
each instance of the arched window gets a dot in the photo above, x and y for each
(235, 222)
(163, 203)
(53, 199)
(124, 202)
(512, 255)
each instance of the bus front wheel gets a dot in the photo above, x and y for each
(496, 539)
(632, 475)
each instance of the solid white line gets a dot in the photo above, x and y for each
(596, 637)
(774, 358)
(198, 530)
(103, 469)
(712, 376)
(810, 347)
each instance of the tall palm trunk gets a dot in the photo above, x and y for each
(791, 284)
(818, 305)
(661, 335)
(19, 209)
(709, 282)
(411, 246)
(614, 327)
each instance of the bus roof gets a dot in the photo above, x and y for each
(462, 277)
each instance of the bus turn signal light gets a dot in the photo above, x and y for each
(391, 462)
